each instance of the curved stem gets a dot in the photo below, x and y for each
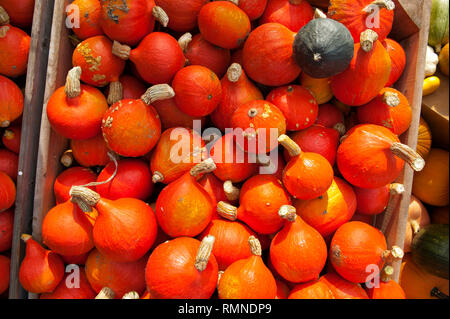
(318, 14)
(255, 246)
(73, 85)
(231, 191)
(227, 211)
(115, 93)
(157, 177)
(292, 147)
(409, 155)
(121, 50)
(67, 158)
(160, 15)
(381, 4)
(340, 127)
(106, 293)
(367, 40)
(415, 226)
(234, 72)
(84, 197)
(184, 41)
(396, 191)
(4, 16)
(114, 158)
(204, 252)
(158, 92)
(206, 166)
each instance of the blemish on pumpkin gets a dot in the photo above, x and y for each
(210, 97)
(3, 31)
(112, 7)
(98, 77)
(325, 212)
(336, 253)
(320, 197)
(86, 53)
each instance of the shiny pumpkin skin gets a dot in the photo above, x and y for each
(98, 65)
(171, 115)
(298, 252)
(120, 277)
(319, 88)
(231, 242)
(125, 229)
(9, 163)
(366, 75)
(177, 151)
(132, 88)
(214, 187)
(73, 176)
(157, 58)
(63, 219)
(314, 289)
(232, 162)
(317, 139)
(371, 201)
(431, 185)
(91, 151)
(343, 289)
(20, 12)
(364, 157)
(4, 273)
(330, 210)
(171, 273)
(181, 196)
(398, 60)
(267, 56)
(350, 13)
(11, 138)
(7, 192)
(354, 246)
(11, 101)
(247, 278)
(131, 128)
(14, 50)
(62, 291)
(253, 8)
(262, 214)
(308, 175)
(198, 90)
(201, 52)
(268, 117)
(292, 14)
(127, 21)
(222, 23)
(329, 115)
(133, 180)
(396, 118)
(282, 290)
(182, 15)
(80, 117)
(387, 290)
(41, 270)
(6, 229)
(424, 139)
(297, 104)
(234, 94)
(90, 12)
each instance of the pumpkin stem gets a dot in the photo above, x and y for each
(317, 57)
(115, 92)
(231, 191)
(4, 16)
(67, 158)
(387, 273)
(318, 14)
(157, 177)
(391, 255)
(131, 295)
(255, 246)
(219, 277)
(121, 50)
(390, 98)
(158, 92)
(288, 212)
(381, 4)
(184, 41)
(204, 252)
(8, 134)
(206, 166)
(340, 127)
(113, 157)
(160, 15)
(396, 190)
(106, 293)
(289, 144)
(252, 112)
(415, 226)
(25, 237)
(234, 72)
(3, 31)
(367, 40)
(227, 211)
(409, 155)
(73, 85)
(84, 197)
(5, 123)
(435, 292)
(74, 39)
(236, 2)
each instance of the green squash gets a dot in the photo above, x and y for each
(439, 27)
(429, 249)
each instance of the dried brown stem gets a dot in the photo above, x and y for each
(227, 211)
(255, 246)
(368, 39)
(206, 166)
(409, 155)
(204, 252)
(160, 15)
(292, 147)
(73, 85)
(288, 212)
(234, 72)
(67, 158)
(115, 92)
(106, 293)
(158, 92)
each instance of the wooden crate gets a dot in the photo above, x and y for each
(31, 120)
(412, 23)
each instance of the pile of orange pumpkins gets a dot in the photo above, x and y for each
(15, 24)
(147, 74)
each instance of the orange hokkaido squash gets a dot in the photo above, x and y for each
(182, 15)
(343, 289)
(70, 290)
(4, 273)
(7, 192)
(314, 289)
(11, 138)
(89, 15)
(6, 229)
(9, 163)
(371, 201)
(398, 60)
(424, 139)
(91, 151)
(386, 288)
(14, 50)
(11, 101)
(293, 14)
(20, 12)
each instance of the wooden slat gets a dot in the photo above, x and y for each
(34, 94)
